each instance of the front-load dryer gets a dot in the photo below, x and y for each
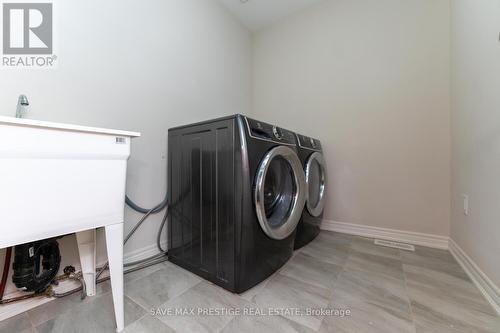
(311, 156)
(236, 191)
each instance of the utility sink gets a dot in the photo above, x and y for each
(57, 179)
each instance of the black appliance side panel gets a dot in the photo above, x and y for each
(201, 190)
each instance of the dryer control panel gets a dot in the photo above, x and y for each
(260, 130)
(309, 143)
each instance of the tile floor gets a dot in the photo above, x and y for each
(386, 290)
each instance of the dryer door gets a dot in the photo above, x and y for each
(280, 192)
(316, 184)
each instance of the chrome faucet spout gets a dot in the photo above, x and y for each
(22, 106)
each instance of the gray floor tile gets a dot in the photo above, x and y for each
(103, 287)
(309, 270)
(434, 315)
(454, 307)
(202, 297)
(427, 252)
(53, 309)
(92, 317)
(285, 292)
(383, 266)
(160, 286)
(17, 324)
(367, 317)
(28, 330)
(328, 249)
(433, 328)
(250, 294)
(148, 324)
(443, 299)
(378, 303)
(57, 307)
(447, 287)
(386, 292)
(139, 274)
(263, 324)
(439, 260)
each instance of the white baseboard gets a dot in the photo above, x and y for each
(13, 309)
(489, 290)
(415, 238)
(144, 252)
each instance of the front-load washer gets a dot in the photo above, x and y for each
(311, 156)
(236, 191)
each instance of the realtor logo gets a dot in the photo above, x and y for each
(27, 28)
(28, 35)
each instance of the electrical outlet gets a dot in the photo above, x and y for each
(466, 204)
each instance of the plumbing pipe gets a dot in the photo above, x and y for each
(5, 274)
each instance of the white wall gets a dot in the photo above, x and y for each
(371, 80)
(144, 66)
(476, 131)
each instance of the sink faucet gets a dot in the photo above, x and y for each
(22, 105)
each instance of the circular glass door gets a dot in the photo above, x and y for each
(280, 192)
(316, 183)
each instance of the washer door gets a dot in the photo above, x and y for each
(280, 192)
(316, 182)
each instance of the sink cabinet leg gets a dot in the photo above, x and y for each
(114, 244)
(86, 248)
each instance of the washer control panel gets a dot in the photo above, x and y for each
(309, 143)
(268, 132)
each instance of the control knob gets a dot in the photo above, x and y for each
(278, 133)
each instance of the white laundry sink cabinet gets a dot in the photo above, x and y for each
(57, 179)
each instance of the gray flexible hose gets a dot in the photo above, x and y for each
(158, 244)
(156, 209)
(139, 209)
